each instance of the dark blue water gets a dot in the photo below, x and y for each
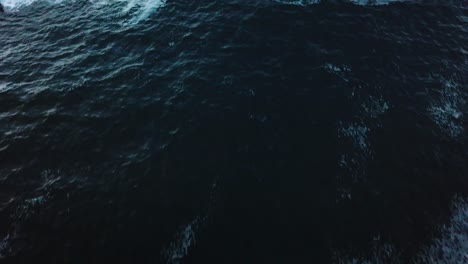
(230, 131)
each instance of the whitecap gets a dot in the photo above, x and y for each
(447, 111)
(451, 246)
(14, 5)
(139, 10)
(183, 241)
(357, 2)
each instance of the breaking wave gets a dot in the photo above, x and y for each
(138, 9)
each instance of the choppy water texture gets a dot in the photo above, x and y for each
(259, 131)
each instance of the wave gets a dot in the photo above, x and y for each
(138, 9)
(357, 2)
(449, 246)
(15, 5)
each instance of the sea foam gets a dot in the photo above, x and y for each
(138, 9)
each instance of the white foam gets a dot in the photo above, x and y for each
(138, 9)
(447, 111)
(357, 2)
(355, 162)
(376, 2)
(14, 5)
(342, 71)
(451, 246)
(146, 8)
(359, 134)
(5, 246)
(374, 107)
(367, 118)
(183, 241)
(299, 2)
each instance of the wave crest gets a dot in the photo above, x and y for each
(138, 9)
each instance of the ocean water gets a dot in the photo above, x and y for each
(235, 131)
